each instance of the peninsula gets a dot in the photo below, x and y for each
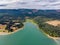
(9, 24)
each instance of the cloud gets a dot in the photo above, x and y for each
(30, 4)
(7, 1)
(2, 5)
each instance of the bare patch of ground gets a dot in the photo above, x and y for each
(54, 22)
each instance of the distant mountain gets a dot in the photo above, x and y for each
(31, 13)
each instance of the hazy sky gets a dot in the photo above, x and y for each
(30, 4)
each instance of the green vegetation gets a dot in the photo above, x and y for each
(51, 30)
(14, 19)
(12, 23)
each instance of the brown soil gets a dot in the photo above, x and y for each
(54, 22)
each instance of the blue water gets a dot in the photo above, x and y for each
(29, 35)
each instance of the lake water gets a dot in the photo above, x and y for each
(29, 35)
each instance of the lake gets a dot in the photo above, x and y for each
(29, 35)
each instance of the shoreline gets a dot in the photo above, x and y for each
(28, 20)
(6, 33)
(55, 38)
(16, 30)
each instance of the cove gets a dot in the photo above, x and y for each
(29, 35)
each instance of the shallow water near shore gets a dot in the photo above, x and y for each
(29, 35)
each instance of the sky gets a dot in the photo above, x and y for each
(30, 4)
